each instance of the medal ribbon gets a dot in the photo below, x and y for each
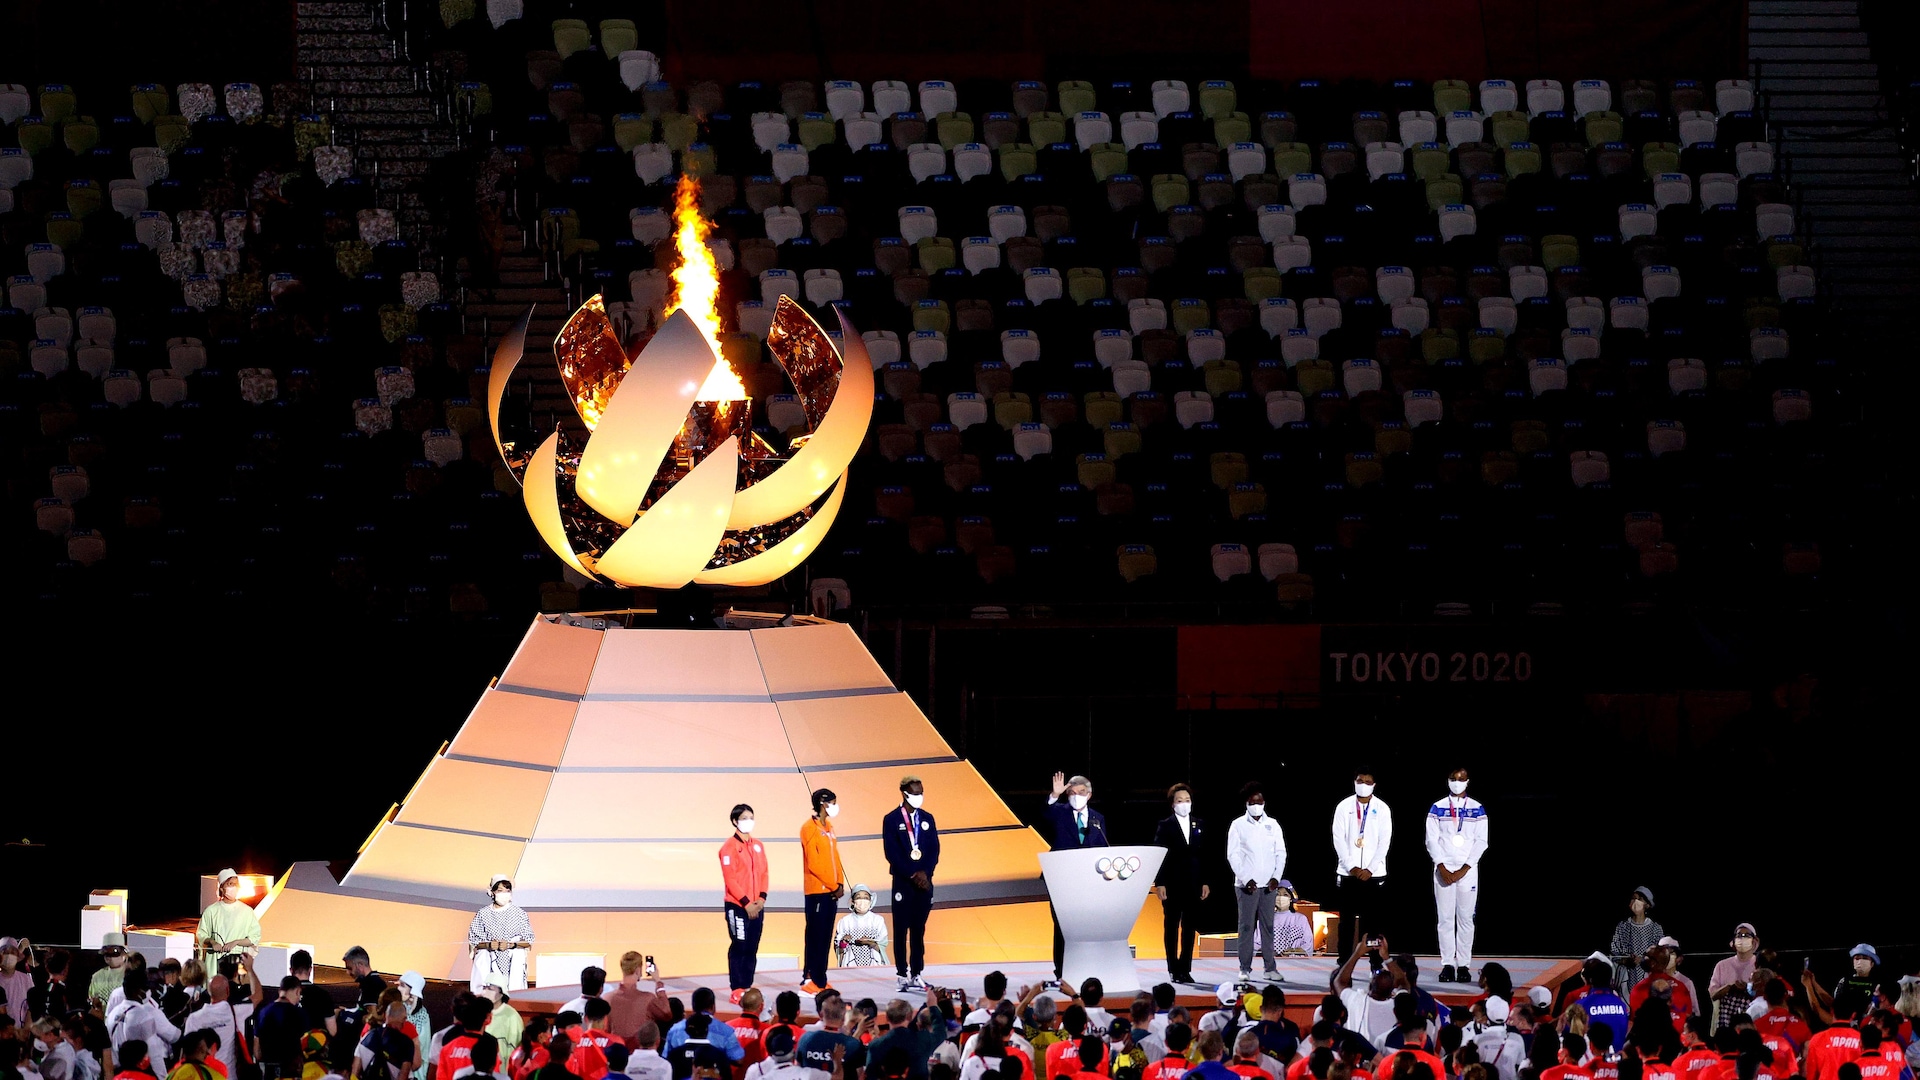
(913, 827)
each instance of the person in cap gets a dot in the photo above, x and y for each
(778, 1064)
(1865, 975)
(1456, 841)
(911, 843)
(413, 991)
(1632, 937)
(1180, 883)
(1501, 1049)
(228, 927)
(113, 958)
(15, 981)
(1727, 987)
(499, 938)
(1257, 855)
(504, 1022)
(861, 935)
(1362, 833)
(1674, 959)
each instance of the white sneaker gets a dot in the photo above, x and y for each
(1246, 978)
(916, 983)
(905, 983)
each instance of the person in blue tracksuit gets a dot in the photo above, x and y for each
(912, 846)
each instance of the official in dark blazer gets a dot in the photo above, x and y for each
(1066, 827)
(1179, 883)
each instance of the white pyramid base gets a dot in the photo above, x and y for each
(598, 772)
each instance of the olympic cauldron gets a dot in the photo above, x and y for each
(671, 485)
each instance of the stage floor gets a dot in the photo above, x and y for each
(1304, 979)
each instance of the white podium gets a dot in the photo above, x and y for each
(1097, 894)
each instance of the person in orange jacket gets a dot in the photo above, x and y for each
(743, 873)
(824, 880)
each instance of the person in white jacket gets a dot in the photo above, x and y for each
(1257, 852)
(1456, 839)
(1362, 831)
(139, 1018)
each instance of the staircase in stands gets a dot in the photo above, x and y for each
(377, 100)
(1828, 113)
(538, 400)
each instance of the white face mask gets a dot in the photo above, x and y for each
(1183, 808)
(833, 810)
(915, 800)
(1256, 810)
(1362, 790)
(1458, 787)
(1078, 802)
(861, 907)
(502, 898)
(745, 824)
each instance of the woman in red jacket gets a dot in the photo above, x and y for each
(743, 872)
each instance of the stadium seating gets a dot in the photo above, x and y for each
(1171, 339)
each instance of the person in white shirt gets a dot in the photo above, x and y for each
(1362, 832)
(593, 984)
(224, 1017)
(861, 936)
(1370, 1005)
(1501, 1049)
(645, 1063)
(58, 1064)
(1456, 839)
(1257, 852)
(139, 1018)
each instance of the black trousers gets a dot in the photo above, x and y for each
(1360, 902)
(1178, 911)
(743, 946)
(910, 908)
(818, 937)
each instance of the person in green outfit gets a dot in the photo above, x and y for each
(113, 955)
(228, 927)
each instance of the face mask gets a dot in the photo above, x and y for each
(1256, 810)
(833, 810)
(1363, 790)
(861, 907)
(1183, 808)
(503, 898)
(745, 824)
(915, 800)
(1458, 787)
(1078, 802)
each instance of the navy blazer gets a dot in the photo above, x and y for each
(895, 840)
(1063, 834)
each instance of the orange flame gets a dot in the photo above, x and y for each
(696, 287)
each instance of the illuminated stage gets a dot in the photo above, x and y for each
(598, 770)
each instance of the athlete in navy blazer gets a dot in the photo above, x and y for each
(904, 827)
(1062, 830)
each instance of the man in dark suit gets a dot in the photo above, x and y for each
(1070, 823)
(1179, 883)
(912, 847)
